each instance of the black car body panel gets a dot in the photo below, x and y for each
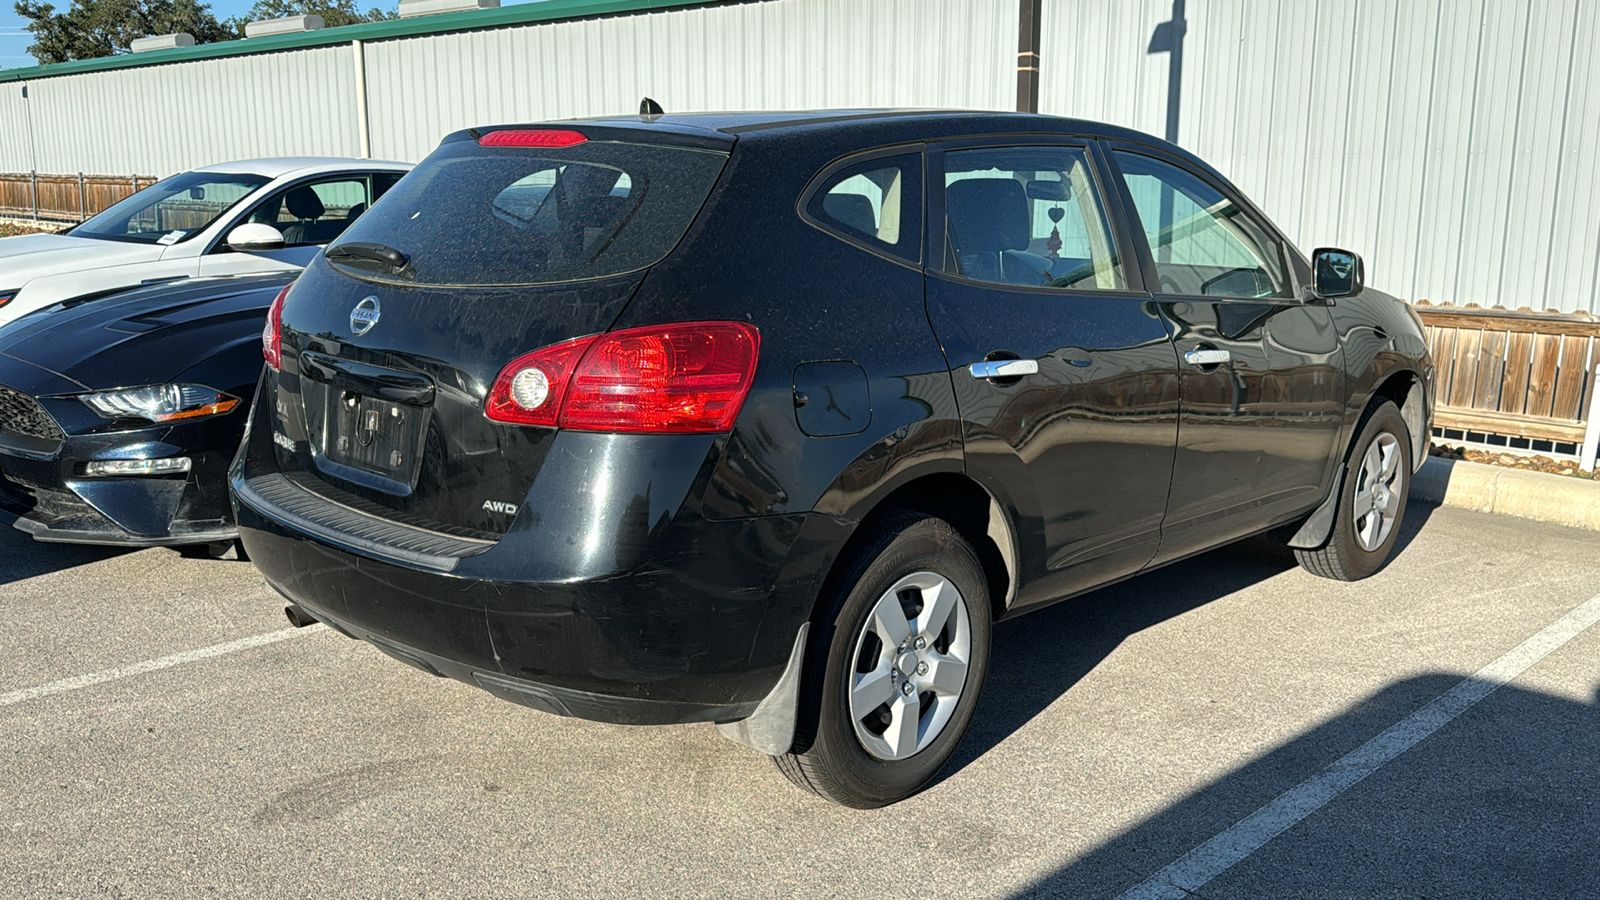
(202, 331)
(665, 577)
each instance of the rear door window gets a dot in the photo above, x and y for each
(1029, 216)
(471, 215)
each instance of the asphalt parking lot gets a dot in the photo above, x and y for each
(1229, 725)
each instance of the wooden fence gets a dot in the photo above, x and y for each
(1516, 373)
(64, 198)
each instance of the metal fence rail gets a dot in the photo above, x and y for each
(64, 198)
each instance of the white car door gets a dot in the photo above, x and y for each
(308, 215)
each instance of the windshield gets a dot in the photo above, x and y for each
(471, 215)
(171, 211)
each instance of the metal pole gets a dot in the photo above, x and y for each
(361, 99)
(1028, 15)
(1591, 432)
(83, 204)
(33, 189)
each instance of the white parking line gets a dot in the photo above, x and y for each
(1205, 862)
(152, 665)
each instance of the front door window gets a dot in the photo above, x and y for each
(1203, 244)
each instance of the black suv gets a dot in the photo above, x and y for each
(764, 419)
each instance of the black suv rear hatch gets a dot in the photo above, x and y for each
(498, 244)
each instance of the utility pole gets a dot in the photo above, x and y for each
(1028, 16)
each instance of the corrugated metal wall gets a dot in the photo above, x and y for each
(778, 54)
(16, 140)
(164, 119)
(782, 54)
(1454, 143)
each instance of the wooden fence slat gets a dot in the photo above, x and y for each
(1542, 383)
(1519, 359)
(1444, 357)
(1575, 367)
(1491, 371)
(1464, 375)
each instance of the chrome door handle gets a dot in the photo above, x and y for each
(1004, 368)
(1206, 357)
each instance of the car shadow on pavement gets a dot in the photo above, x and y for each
(1075, 635)
(21, 557)
(1499, 802)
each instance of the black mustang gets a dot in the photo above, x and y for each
(118, 417)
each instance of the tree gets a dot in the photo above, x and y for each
(95, 28)
(333, 12)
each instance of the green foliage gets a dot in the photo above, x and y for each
(333, 12)
(95, 28)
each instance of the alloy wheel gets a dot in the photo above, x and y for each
(911, 659)
(1380, 485)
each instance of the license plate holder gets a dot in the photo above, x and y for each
(375, 436)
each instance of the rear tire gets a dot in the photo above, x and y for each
(895, 665)
(1372, 503)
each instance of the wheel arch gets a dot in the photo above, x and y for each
(975, 513)
(1408, 390)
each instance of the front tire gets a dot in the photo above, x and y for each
(895, 669)
(1372, 505)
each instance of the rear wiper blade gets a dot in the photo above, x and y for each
(362, 250)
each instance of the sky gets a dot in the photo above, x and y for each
(14, 40)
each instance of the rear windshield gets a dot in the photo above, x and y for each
(471, 215)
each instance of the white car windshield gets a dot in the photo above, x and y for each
(172, 210)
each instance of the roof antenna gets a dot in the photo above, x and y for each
(649, 110)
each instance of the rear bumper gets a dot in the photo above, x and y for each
(550, 698)
(700, 630)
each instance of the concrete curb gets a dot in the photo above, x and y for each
(1557, 499)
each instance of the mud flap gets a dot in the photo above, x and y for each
(770, 729)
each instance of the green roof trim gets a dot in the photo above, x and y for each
(442, 23)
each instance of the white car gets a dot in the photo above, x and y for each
(257, 215)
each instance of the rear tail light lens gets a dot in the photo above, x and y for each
(531, 137)
(684, 378)
(516, 397)
(272, 334)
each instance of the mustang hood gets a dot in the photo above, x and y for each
(146, 336)
(31, 256)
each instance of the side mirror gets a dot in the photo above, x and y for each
(255, 237)
(1336, 273)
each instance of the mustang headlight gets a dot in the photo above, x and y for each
(7, 296)
(161, 402)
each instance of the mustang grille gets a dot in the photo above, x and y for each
(22, 414)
